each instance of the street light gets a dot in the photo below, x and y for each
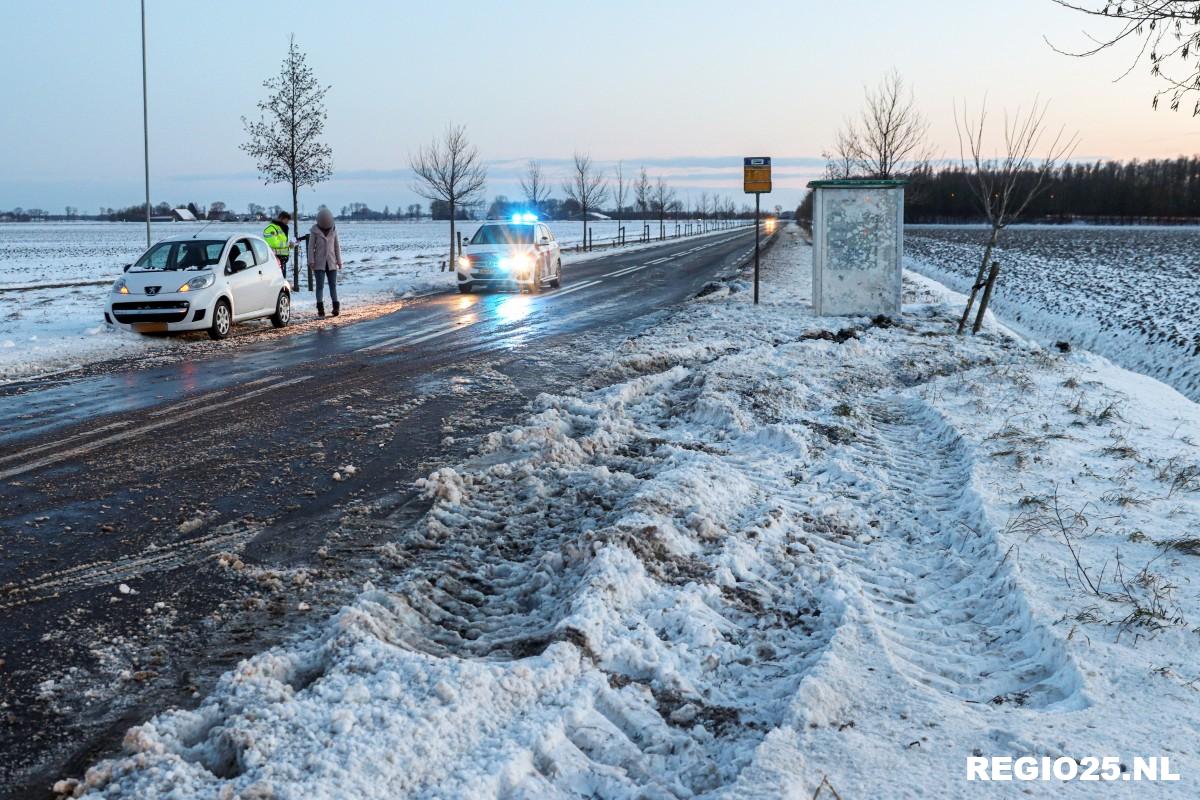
(145, 125)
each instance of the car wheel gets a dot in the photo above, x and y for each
(535, 285)
(465, 288)
(222, 320)
(557, 282)
(283, 309)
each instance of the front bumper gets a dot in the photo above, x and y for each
(157, 314)
(495, 278)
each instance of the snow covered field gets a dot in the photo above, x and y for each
(52, 329)
(1129, 293)
(763, 552)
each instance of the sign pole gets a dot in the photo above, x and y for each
(756, 179)
(757, 198)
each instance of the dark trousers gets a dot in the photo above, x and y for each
(322, 277)
(282, 264)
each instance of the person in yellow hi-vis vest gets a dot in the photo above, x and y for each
(276, 236)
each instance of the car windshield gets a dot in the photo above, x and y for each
(189, 254)
(503, 234)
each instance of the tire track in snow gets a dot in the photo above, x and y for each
(108, 572)
(946, 604)
(520, 562)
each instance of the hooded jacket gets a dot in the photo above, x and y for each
(324, 249)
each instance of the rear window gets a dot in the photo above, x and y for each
(503, 234)
(190, 254)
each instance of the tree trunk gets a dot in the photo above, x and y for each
(584, 246)
(987, 296)
(979, 279)
(452, 264)
(295, 254)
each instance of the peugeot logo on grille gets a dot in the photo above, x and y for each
(152, 289)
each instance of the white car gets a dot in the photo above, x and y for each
(193, 284)
(519, 253)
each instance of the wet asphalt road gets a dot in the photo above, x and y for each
(159, 523)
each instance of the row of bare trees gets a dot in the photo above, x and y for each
(890, 139)
(285, 142)
(451, 171)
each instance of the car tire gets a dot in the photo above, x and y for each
(283, 309)
(465, 288)
(557, 282)
(535, 286)
(222, 321)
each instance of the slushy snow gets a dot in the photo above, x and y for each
(766, 552)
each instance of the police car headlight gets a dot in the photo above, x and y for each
(119, 287)
(517, 263)
(464, 262)
(198, 282)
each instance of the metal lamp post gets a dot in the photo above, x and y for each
(145, 125)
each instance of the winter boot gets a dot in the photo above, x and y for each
(337, 308)
(320, 310)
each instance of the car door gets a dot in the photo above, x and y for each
(552, 254)
(243, 278)
(545, 251)
(267, 270)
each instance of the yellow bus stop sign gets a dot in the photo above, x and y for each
(756, 175)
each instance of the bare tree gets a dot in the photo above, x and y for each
(285, 141)
(841, 160)
(534, 185)
(620, 189)
(890, 133)
(891, 130)
(450, 169)
(1005, 185)
(662, 200)
(641, 192)
(1171, 31)
(587, 187)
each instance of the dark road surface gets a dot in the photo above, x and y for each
(159, 523)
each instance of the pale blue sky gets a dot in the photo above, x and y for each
(687, 88)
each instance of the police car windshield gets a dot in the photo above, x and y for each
(503, 234)
(190, 254)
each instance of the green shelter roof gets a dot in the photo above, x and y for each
(857, 183)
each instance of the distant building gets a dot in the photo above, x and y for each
(182, 215)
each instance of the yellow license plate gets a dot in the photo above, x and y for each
(150, 327)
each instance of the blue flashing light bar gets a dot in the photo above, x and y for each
(524, 218)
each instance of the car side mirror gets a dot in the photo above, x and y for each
(545, 240)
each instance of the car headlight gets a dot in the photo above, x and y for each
(198, 282)
(516, 263)
(464, 262)
(120, 287)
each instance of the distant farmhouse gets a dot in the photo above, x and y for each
(176, 215)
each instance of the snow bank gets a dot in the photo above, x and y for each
(758, 557)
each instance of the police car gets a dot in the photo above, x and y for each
(519, 253)
(193, 284)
